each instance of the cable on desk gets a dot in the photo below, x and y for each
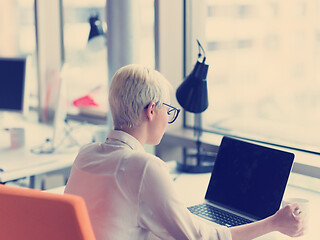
(49, 147)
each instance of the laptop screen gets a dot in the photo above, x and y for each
(249, 178)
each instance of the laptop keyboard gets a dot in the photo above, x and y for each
(217, 215)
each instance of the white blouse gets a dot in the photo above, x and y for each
(130, 194)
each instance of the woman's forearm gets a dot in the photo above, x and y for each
(252, 230)
(285, 221)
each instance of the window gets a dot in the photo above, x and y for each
(85, 63)
(264, 75)
(76, 25)
(87, 68)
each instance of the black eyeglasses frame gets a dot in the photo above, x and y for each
(169, 111)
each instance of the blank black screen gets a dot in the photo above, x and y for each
(12, 80)
(249, 177)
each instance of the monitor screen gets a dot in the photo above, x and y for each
(12, 84)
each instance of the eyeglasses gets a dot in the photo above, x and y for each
(172, 112)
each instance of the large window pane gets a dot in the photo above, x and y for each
(147, 48)
(85, 70)
(86, 74)
(264, 75)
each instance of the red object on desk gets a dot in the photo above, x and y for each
(85, 101)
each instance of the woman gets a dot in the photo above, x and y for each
(129, 193)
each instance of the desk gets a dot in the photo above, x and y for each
(20, 163)
(192, 189)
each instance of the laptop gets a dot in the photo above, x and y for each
(247, 183)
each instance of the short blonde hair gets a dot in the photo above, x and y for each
(132, 88)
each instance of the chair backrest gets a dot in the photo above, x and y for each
(31, 214)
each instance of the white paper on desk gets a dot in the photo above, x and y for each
(19, 159)
(192, 187)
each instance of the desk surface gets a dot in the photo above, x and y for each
(192, 188)
(21, 162)
(16, 164)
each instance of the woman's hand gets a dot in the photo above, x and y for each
(289, 220)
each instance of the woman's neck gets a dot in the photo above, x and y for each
(138, 132)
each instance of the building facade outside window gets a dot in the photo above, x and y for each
(264, 75)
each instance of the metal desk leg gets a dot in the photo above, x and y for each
(36, 181)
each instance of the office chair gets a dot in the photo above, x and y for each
(29, 214)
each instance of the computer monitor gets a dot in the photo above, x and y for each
(13, 90)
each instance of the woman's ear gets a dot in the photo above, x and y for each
(150, 110)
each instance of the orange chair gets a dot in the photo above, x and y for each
(29, 214)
